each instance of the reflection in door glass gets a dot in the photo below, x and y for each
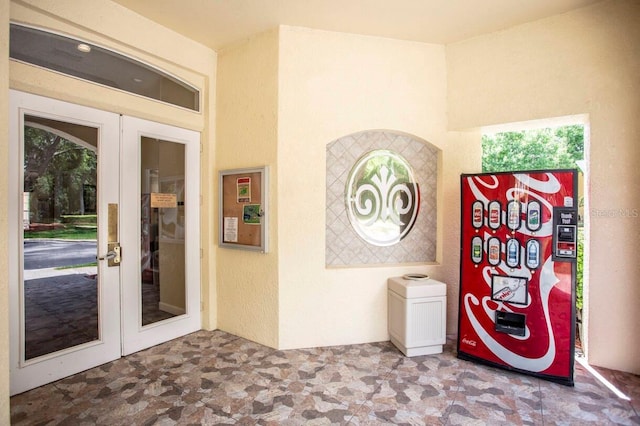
(60, 281)
(162, 230)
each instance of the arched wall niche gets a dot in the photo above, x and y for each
(345, 246)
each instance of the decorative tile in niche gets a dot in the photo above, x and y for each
(343, 245)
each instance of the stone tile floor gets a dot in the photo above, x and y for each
(215, 378)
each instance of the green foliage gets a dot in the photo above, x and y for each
(72, 233)
(533, 149)
(82, 219)
(56, 171)
(558, 148)
(580, 269)
(82, 265)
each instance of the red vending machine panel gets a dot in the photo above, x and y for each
(517, 271)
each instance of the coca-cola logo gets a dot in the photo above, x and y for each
(469, 342)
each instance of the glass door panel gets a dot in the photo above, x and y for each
(162, 230)
(60, 274)
(161, 193)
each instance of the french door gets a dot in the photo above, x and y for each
(104, 238)
(160, 195)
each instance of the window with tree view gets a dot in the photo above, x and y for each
(538, 149)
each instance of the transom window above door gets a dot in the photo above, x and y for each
(93, 63)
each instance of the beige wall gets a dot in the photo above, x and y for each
(282, 97)
(247, 101)
(583, 62)
(4, 165)
(332, 85)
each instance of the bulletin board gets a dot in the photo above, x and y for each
(243, 209)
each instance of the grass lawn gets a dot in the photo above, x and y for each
(71, 233)
(82, 265)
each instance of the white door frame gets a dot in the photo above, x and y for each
(119, 296)
(135, 336)
(27, 374)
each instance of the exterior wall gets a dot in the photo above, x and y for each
(583, 62)
(247, 101)
(465, 153)
(333, 85)
(4, 189)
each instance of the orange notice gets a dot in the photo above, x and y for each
(163, 201)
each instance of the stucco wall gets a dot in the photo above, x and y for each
(582, 62)
(4, 165)
(247, 101)
(332, 85)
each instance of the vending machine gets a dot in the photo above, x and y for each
(519, 244)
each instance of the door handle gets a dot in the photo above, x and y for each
(113, 256)
(110, 255)
(113, 248)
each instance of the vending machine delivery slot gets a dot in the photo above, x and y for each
(510, 323)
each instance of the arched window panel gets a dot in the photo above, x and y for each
(99, 65)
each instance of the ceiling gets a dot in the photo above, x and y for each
(217, 23)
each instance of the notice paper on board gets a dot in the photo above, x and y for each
(244, 189)
(231, 229)
(251, 214)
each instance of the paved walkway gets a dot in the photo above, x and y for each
(34, 274)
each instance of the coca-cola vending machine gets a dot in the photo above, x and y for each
(519, 244)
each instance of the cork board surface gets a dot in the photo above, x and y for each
(242, 207)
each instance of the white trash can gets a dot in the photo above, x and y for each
(417, 314)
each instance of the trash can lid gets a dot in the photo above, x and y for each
(412, 288)
(416, 277)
